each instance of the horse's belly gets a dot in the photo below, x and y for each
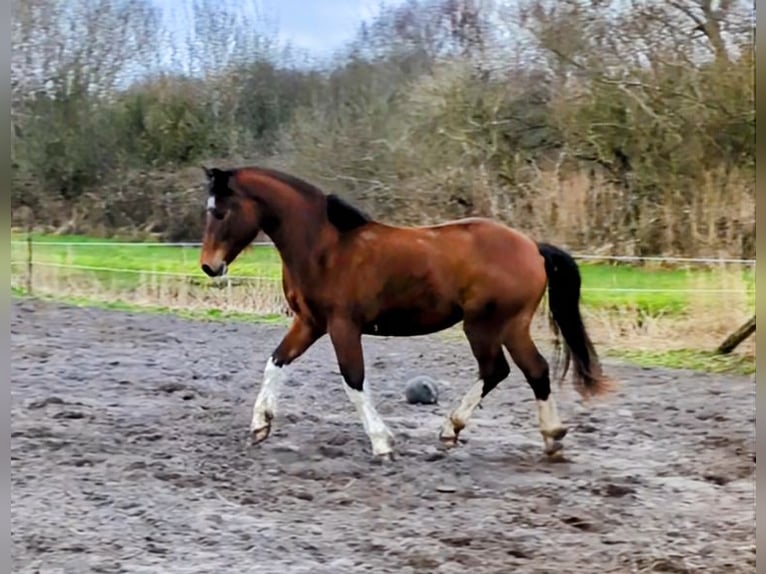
(404, 322)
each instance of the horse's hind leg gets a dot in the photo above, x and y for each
(296, 342)
(493, 368)
(535, 368)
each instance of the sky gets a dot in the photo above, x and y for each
(319, 27)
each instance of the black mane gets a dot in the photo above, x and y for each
(297, 183)
(218, 181)
(340, 213)
(343, 215)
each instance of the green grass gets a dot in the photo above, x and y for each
(661, 290)
(256, 261)
(691, 359)
(658, 291)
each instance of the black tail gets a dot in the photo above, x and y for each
(564, 302)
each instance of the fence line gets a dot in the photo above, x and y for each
(142, 271)
(256, 278)
(581, 256)
(704, 260)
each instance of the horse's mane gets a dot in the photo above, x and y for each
(341, 214)
(300, 185)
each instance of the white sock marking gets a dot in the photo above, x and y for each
(549, 417)
(376, 429)
(469, 402)
(464, 410)
(266, 402)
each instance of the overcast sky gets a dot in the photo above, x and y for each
(316, 26)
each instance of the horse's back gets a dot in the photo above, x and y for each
(480, 241)
(466, 253)
(484, 238)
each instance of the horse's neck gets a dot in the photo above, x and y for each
(299, 242)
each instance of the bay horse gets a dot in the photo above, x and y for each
(346, 275)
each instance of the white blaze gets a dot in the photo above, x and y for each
(211, 202)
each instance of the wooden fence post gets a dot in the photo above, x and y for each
(29, 256)
(733, 340)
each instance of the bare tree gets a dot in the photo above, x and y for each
(94, 44)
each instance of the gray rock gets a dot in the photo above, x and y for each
(421, 390)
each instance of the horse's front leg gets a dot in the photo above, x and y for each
(296, 342)
(346, 338)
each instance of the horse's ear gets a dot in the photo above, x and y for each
(218, 180)
(214, 173)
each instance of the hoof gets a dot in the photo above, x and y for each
(555, 434)
(384, 458)
(448, 436)
(553, 448)
(260, 434)
(382, 444)
(448, 441)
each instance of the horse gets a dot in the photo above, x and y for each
(346, 275)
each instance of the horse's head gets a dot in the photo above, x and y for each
(233, 221)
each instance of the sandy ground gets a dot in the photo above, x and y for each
(129, 454)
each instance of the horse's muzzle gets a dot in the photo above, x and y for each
(210, 272)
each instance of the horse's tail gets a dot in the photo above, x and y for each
(564, 283)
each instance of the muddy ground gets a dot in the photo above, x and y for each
(129, 454)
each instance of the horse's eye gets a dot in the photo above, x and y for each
(215, 212)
